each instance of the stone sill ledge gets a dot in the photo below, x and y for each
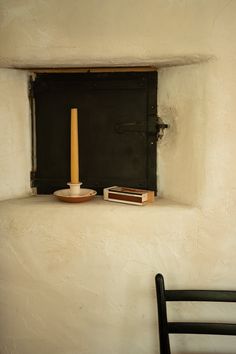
(49, 202)
(96, 224)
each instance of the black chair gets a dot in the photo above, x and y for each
(166, 327)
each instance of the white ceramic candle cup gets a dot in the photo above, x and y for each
(74, 188)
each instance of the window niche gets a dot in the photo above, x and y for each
(117, 129)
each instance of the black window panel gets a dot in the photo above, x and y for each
(116, 115)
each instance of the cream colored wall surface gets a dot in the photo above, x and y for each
(80, 278)
(220, 188)
(181, 152)
(92, 32)
(14, 135)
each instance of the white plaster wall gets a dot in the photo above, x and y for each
(94, 32)
(196, 156)
(221, 129)
(182, 105)
(79, 278)
(14, 135)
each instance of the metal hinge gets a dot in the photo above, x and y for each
(33, 179)
(31, 88)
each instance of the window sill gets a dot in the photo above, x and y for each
(43, 221)
(97, 204)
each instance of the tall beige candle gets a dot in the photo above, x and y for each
(74, 147)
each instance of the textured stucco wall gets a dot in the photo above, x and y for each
(14, 135)
(105, 32)
(79, 278)
(182, 100)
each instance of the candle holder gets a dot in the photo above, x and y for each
(75, 194)
(74, 188)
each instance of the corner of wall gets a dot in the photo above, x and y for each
(15, 148)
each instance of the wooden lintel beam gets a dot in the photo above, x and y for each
(93, 69)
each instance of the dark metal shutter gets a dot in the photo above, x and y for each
(117, 129)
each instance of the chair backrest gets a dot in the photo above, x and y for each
(166, 327)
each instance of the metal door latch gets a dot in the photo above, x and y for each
(155, 127)
(160, 127)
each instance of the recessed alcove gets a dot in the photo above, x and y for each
(181, 104)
